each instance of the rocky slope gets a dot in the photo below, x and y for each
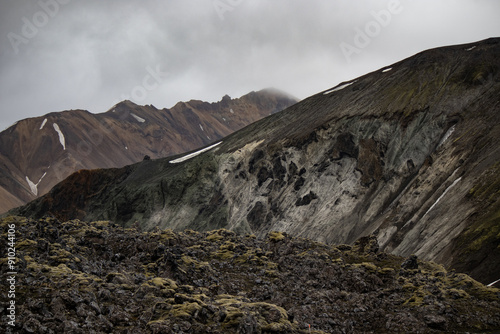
(409, 153)
(77, 277)
(37, 153)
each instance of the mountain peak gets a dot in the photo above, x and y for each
(40, 152)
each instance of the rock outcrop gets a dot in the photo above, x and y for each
(77, 277)
(39, 152)
(408, 153)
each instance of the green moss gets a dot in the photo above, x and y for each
(417, 297)
(165, 235)
(149, 269)
(387, 271)
(487, 188)
(486, 230)
(482, 237)
(225, 251)
(100, 223)
(116, 277)
(188, 261)
(457, 293)
(431, 267)
(214, 236)
(276, 236)
(12, 220)
(270, 317)
(368, 266)
(164, 283)
(185, 310)
(225, 254)
(472, 287)
(26, 244)
(190, 232)
(233, 316)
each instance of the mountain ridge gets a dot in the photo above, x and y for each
(38, 152)
(407, 152)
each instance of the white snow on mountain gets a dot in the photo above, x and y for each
(34, 186)
(192, 155)
(62, 140)
(493, 283)
(43, 124)
(447, 135)
(442, 195)
(336, 89)
(138, 119)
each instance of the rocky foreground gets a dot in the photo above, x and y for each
(77, 277)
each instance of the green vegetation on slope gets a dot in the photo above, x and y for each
(75, 277)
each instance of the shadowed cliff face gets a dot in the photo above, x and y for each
(37, 153)
(409, 154)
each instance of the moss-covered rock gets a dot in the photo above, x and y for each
(219, 282)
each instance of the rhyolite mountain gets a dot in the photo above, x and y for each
(37, 153)
(409, 153)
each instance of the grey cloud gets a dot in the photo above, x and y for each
(94, 52)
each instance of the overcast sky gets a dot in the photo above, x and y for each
(89, 54)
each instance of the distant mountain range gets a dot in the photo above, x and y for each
(37, 153)
(409, 153)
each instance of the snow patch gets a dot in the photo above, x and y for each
(442, 195)
(387, 70)
(137, 118)
(447, 135)
(126, 147)
(471, 48)
(43, 124)
(34, 186)
(62, 140)
(493, 283)
(224, 119)
(336, 89)
(201, 127)
(192, 155)
(231, 111)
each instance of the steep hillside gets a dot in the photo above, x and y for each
(77, 277)
(409, 153)
(37, 153)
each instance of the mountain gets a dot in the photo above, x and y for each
(79, 277)
(37, 153)
(408, 153)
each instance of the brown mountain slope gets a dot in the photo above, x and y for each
(37, 153)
